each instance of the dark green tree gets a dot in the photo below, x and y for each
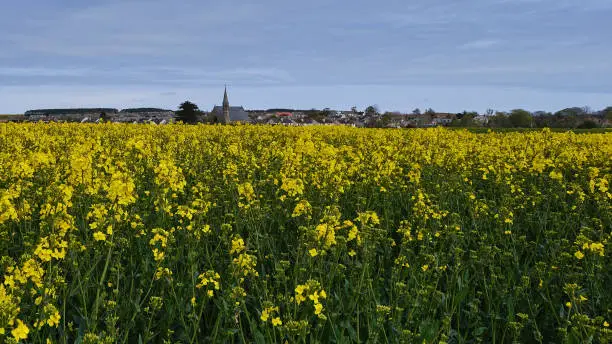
(430, 112)
(588, 124)
(607, 113)
(499, 120)
(188, 112)
(520, 118)
(464, 119)
(371, 110)
(572, 111)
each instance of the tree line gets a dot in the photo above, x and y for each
(574, 117)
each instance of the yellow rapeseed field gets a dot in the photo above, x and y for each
(117, 233)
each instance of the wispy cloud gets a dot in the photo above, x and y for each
(480, 44)
(152, 75)
(41, 71)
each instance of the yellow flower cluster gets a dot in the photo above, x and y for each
(311, 290)
(302, 208)
(595, 247)
(243, 264)
(268, 314)
(210, 280)
(247, 195)
(237, 245)
(293, 186)
(9, 309)
(51, 248)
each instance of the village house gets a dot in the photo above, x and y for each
(442, 118)
(70, 115)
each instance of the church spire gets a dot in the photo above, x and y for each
(225, 100)
(226, 107)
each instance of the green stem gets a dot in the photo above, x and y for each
(100, 285)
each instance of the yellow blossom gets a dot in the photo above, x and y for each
(237, 246)
(265, 314)
(99, 236)
(54, 319)
(20, 331)
(158, 255)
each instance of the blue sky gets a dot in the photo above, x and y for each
(450, 55)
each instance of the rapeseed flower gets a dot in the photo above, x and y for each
(99, 236)
(20, 331)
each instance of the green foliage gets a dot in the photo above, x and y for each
(372, 110)
(573, 111)
(464, 119)
(188, 112)
(136, 110)
(588, 124)
(430, 112)
(607, 113)
(520, 118)
(499, 120)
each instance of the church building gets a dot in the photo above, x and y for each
(226, 113)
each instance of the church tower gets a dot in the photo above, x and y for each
(226, 107)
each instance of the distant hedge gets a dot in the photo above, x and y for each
(136, 110)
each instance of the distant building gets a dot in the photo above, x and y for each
(226, 113)
(143, 115)
(75, 115)
(287, 121)
(442, 118)
(482, 119)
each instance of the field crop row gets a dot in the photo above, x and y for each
(119, 233)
